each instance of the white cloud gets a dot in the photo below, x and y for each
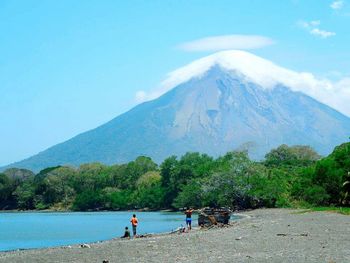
(322, 33)
(313, 28)
(339, 96)
(225, 42)
(337, 5)
(315, 23)
(310, 24)
(336, 94)
(140, 96)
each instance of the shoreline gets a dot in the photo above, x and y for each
(92, 211)
(234, 218)
(143, 236)
(263, 235)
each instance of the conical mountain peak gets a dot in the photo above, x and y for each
(216, 104)
(253, 68)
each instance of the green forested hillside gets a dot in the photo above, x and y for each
(288, 176)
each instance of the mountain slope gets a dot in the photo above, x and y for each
(214, 110)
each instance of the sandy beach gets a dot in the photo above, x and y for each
(264, 235)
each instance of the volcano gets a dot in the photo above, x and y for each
(227, 101)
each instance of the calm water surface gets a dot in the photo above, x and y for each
(37, 230)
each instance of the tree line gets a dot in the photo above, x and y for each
(287, 177)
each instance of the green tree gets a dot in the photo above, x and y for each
(137, 168)
(149, 191)
(116, 199)
(6, 189)
(176, 174)
(270, 187)
(90, 177)
(19, 174)
(331, 173)
(167, 170)
(55, 186)
(25, 195)
(346, 190)
(298, 155)
(88, 200)
(191, 195)
(231, 188)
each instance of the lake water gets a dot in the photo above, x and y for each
(37, 230)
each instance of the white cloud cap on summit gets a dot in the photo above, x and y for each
(225, 42)
(337, 5)
(264, 73)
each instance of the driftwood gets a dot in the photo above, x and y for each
(284, 234)
(213, 216)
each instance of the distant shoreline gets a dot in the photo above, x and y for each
(265, 235)
(142, 237)
(74, 211)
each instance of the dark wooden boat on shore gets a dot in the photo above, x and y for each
(212, 216)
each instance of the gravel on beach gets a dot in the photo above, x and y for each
(263, 235)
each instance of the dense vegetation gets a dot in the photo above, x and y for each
(289, 176)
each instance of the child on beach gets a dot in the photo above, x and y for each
(134, 223)
(126, 233)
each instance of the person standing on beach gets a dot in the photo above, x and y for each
(134, 223)
(188, 213)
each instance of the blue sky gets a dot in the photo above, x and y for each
(69, 66)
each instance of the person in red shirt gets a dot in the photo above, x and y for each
(134, 223)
